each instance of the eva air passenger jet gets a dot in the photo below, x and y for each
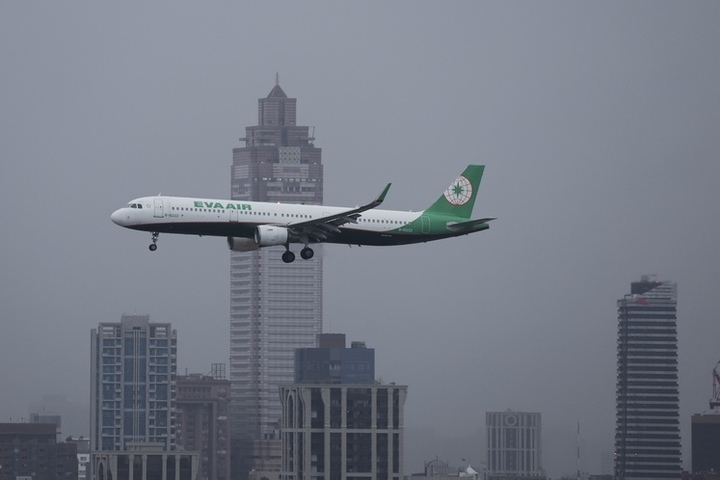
(252, 225)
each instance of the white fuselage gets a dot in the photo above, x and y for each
(238, 218)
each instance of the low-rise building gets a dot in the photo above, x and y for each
(31, 450)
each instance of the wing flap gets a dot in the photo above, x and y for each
(318, 228)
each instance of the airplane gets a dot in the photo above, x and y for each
(252, 225)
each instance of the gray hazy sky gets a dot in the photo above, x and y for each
(598, 123)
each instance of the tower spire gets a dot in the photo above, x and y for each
(277, 78)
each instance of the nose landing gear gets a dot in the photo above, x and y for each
(153, 245)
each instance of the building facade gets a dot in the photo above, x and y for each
(82, 446)
(331, 362)
(145, 462)
(202, 423)
(647, 431)
(337, 430)
(705, 432)
(274, 307)
(31, 451)
(514, 444)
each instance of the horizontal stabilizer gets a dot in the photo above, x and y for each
(469, 225)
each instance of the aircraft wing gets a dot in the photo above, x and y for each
(470, 225)
(318, 229)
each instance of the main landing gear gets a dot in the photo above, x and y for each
(153, 246)
(306, 253)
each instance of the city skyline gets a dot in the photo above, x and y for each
(596, 122)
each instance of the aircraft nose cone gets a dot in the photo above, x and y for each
(119, 217)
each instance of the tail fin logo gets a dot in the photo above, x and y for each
(459, 192)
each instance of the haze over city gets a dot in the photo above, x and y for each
(597, 123)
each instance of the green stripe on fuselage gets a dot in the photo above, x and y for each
(434, 225)
(429, 224)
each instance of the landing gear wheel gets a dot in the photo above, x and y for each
(288, 257)
(307, 253)
(153, 246)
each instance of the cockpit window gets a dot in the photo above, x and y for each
(134, 205)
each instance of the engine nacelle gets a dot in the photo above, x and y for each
(269, 235)
(242, 244)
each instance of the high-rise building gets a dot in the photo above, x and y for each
(337, 421)
(133, 387)
(202, 422)
(274, 307)
(132, 398)
(514, 445)
(647, 431)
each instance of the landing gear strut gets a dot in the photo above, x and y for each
(153, 245)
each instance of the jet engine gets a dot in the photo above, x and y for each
(269, 235)
(242, 244)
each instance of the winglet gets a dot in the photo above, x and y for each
(382, 196)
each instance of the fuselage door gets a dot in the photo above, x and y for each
(425, 224)
(233, 215)
(158, 212)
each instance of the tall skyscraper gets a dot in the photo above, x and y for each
(274, 307)
(647, 431)
(133, 403)
(513, 444)
(337, 421)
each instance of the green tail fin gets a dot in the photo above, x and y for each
(459, 198)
